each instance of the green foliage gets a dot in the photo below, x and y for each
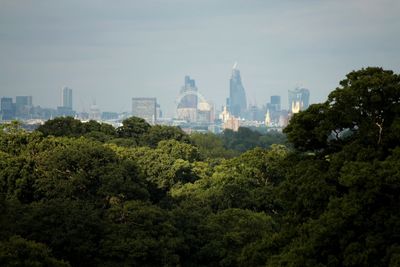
(245, 139)
(18, 251)
(308, 130)
(82, 169)
(170, 163)
(365, 108)
(71, 228)
(62, 126)
(230, 236)
(68, 126)
(244, 182)
(159, 133)
(211, 146)
(133, 127)
(149, 238)
(242, 140)
(14, 139)
(231, 144)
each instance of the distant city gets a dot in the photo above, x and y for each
(194, 113)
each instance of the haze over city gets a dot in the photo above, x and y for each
(111, 51)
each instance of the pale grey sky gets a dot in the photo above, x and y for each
(112, 51)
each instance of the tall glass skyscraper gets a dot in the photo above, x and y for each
(66, 98)
(237, 95)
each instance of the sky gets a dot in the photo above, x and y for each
(110, 51)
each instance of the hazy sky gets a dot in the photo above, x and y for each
(111, 51)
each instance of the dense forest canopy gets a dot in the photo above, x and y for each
(87, 194)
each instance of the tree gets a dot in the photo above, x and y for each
(170, 163)
(309, 130)
(86, 170)
(211, 146)
(242, 140)
(179, 150)
(133, 127)
(365, 108)
(17, 251)
(159, 133)
(99, 131)
(139, 234)
(71, 228)
(368, 102)
(62, 126)
(229, 234)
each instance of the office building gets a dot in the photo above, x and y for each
(7, 108)
(23, 106)
(66, 98)
(237, 95)
(274, 110)
(66, 103)
(275, 103)
(145, 108)
(298, 100)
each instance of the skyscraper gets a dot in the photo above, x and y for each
(23, 101)
(274, 110)
(275, 103)
(23, 106)
(66, 98)
(298, 99)
(237, 95)
(7, 108)
(145, 108)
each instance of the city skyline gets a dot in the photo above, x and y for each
(113, 52)
(236, 91)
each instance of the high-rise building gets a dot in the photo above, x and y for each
(23, 106)
(145, 108)
(237, 94)
(66, 98)
(66, 103)
(275, 103)
(188, 101)
(298, 100)
(7, 108)
(274, 110)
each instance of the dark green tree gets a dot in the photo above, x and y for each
(159, 133)
(211, 146)
(17, 251)
(365, 108)
(62, 126)
(133, 127)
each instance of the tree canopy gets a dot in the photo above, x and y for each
(365, 108)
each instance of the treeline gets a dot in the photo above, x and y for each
(137, 132)
(85, 194)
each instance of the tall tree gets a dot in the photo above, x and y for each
(365, 108)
